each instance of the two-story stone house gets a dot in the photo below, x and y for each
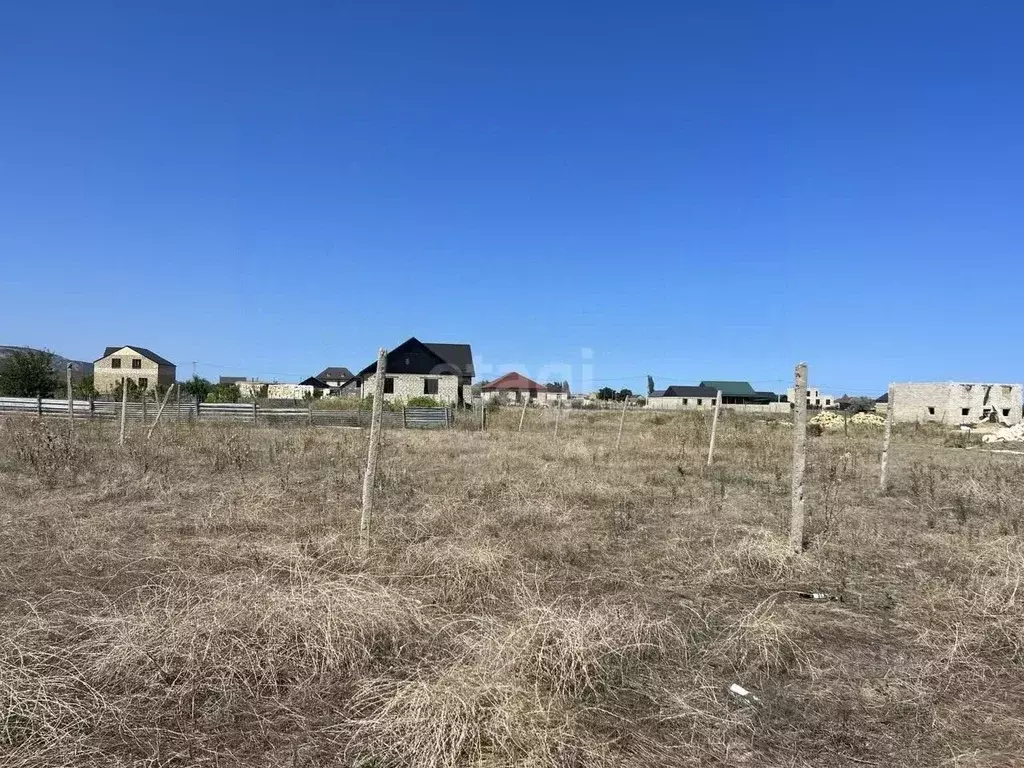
(141, 366)
(416, 369)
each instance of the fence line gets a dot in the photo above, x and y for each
(425, 418)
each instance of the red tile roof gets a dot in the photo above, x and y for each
(513, 381)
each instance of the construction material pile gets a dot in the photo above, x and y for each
(1014, 434)
(830, 420)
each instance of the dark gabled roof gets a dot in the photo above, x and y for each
(772, 396)
(513, 381)
(147, 353)
(314, 381)
(683, 391)
(883, 399)
(230, 379)
(413, 356)
(459, 355)
(730, 388)
(334, 373)
(657, 393)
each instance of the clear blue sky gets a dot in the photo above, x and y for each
(690, 190)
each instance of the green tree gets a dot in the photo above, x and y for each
(28, 373)
(624, 394)
(650, 385)
(606, 393)
(197, 388)
(223, 393)
(85, 387)
(565, 387)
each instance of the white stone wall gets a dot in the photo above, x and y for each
(106, 378)
(509, 395)
(680, 403)
(955, 403)
(676, 404)
(408, 385)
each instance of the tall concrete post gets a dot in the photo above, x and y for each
(124, 408)
(714, 427)
(883, 475)
(796, 519)
(71, 401)
(366, 518)
(622, 420)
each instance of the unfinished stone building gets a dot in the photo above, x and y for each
(956, 403)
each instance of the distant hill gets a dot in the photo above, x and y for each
(79, 368)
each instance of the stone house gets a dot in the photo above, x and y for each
(513, 387)
(420, 369)
(142, 366)
(815, 398)
(956, 403)
(334, 377)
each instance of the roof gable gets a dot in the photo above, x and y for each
(513, 381)
(733, 388)
(688, 391)
(334, 373)
(415, 357)
(146, 353)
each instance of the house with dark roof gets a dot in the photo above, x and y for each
(513, 387)
(735, 394)
(143, 367)
(334, 376)
(416, 369)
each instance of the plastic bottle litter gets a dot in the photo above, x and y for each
(743, 693)
(818, 596)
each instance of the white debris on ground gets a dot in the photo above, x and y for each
(832, 420)
(1014, 434)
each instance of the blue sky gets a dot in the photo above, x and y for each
(689, 190)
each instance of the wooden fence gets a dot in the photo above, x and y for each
(245, 413)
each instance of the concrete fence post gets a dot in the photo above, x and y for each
(796, 519)
(145, 396)
(309, 415)
(883, 475)
(483, 411)
(71, 401)
(177, 402)
(558, 413)
(526, 400)
(714, 427)
(124, 408)
(366, 518)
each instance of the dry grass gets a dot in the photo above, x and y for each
(198, 600)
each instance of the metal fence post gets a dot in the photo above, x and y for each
(177, 402)
(145, 397)
(92, 408)
(39, 406)
(255, 412)
(405, 418)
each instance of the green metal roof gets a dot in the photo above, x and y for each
(733, 388)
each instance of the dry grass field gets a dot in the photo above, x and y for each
(199, 600)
